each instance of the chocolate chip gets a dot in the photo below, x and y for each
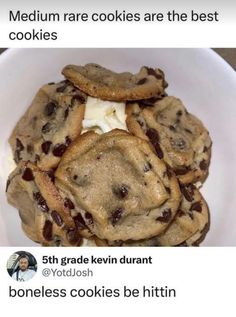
(57, 218)
(196, 206)
(203, 165)
(154, 99)
(50, 108)
(161, 71)
(188, 194)
(19, 147)
(116, 215)
(149, 102)
(7, 184)
(205, 149)
(181, 213)
(189, 131)
(66, 113)
(166, 216)
(29, 148)
(68, 203)
(121, 191)
(51, 174)
(28, 175)
(167, 189)
(154, 138)
(79, 222)
(59, 149)
(47, 230)
(46, 127)
(75, 177)
(51, 83)
(168, 172)
(41, 201)
(179, 113)
(159, 151)
(152, 72)
(46, 146)
(172, 128)
(147, 167)
(182, 170)
(89, 218)
(153, 135)
(141, 81)
(78, 98)
(74, 237)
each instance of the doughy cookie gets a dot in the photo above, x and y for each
(45, 215)
(115, 188)
(121, 188)
(191, 219)
(177, 136)
(200, 235)
(51, 123)
(105, 84)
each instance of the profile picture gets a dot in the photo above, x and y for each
(22, 266)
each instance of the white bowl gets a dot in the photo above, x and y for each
(204, 81)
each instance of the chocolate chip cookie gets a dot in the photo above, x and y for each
(178, 137)
(46, 216)
(105, 84)
(121, 188)
(191, 219)
(118, 188)
(50, 124)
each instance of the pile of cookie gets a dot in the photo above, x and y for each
(127, 187)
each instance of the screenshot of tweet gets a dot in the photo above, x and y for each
(117, 158)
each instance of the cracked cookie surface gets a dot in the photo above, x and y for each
(120, 187)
